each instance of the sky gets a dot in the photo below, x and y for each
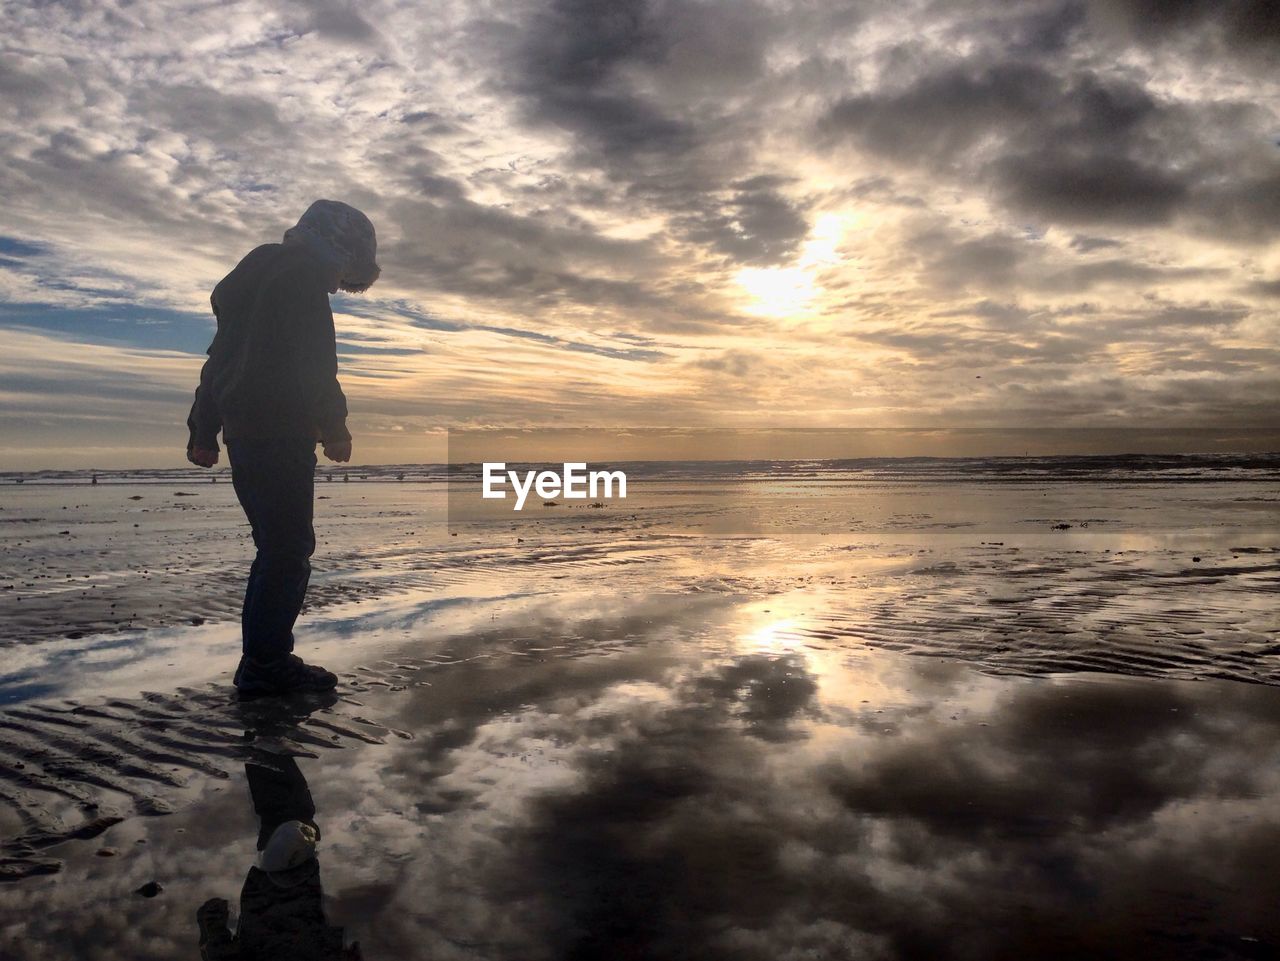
(651, 213)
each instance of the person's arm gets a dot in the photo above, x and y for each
(332, 405)
(204, 421)
(318, 349)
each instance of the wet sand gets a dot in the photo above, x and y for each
(944, 732)
(670, 776)
(1178, 580)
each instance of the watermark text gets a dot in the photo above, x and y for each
(574, 482)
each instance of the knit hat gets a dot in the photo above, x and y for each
(344, 239)
(291, 846)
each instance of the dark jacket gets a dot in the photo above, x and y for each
(272, 369)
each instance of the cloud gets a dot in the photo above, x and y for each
(220, 117)
(1086, 244)
(595, 776)
(572, 74)
(631, 84)
(1265, 288)
(1250, 26)
(792, 195)
(1091, 189)
(1070, 145)
(755, 225)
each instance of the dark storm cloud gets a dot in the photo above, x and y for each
(951, 260)
(578, 64)
(1205, 30)
(481, 265)
(946, 112)
(1250, 25)
(477, 250)
(1068, 150)
(538, 254)
(1071, 145)
(1093, 188)
(571, 74)
(1245, 208)
(754, 225)
(341, 21)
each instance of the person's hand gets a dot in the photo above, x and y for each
(216, 940)
(202, 457)
(338, 450)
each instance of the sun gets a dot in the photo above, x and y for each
(785, 292)
(777, 291)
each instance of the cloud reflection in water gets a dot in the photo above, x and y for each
(655, 777)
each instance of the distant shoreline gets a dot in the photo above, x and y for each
(1205, 467)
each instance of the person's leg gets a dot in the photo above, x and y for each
(243, 461)
(274, 481)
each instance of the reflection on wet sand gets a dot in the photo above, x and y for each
(281, 904)
(694, 776)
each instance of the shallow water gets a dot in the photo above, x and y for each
(779, 719)
(1159, 579)
(677, 776)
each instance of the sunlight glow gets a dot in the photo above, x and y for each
(787, 291)
(773, 638)
(777, 291)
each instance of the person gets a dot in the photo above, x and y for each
(270, 385)
(282, 912)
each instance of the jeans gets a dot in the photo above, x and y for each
(275, 483)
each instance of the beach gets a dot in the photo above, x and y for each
(792, 481)
(892, 710)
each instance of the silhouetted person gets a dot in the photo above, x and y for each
(270, 384)
(281, 903)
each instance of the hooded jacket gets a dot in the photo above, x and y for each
(272, 367)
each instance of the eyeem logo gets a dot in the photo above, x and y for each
(574, 483)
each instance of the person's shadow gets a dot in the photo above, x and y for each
(281, 911)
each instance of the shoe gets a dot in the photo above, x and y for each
(285, 675)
